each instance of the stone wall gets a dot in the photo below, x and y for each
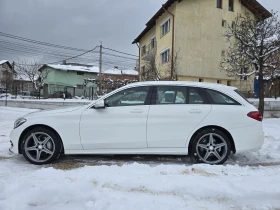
(271, 108)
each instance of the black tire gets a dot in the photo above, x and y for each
(202, 151)
(48, 152)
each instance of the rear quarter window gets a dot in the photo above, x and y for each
(219, 98)
(242, 95)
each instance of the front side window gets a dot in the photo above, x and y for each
(165, 56)
(165, 27)
(220, 98)
(231, 5)
(171, 95)
(128, 97)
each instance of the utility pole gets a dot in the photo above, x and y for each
(100, 68)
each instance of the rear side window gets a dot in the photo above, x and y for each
(197, 96)
(220, 98)
(242, 95)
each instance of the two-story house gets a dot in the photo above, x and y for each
(187, 36)
(59, 77)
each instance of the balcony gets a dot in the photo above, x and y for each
(149, 51)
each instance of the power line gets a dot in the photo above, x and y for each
(77, 55)
(119, 56)
(33, 49)
(55, 45)
(120, 52)
(38, 42)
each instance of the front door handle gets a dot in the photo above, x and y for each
(195, 111)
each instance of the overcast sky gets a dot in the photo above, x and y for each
(83, 23)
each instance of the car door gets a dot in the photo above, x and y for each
(121, 125)
(174, 113)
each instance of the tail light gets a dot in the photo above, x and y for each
(255, 115)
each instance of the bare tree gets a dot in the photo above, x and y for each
(154, 72)
(254, 43)
(30, 71)
(150, 71)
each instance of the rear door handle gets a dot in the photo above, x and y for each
(195, 111)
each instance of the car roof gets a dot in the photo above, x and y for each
(183, 83)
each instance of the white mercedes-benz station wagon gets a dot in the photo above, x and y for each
(205, 121)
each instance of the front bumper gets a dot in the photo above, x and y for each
(11, 148)
(14, 139)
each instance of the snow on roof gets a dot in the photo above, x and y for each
(121, 72)
(22, 78)
(3, 61)
(93, 69)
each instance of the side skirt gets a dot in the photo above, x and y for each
(146, 151)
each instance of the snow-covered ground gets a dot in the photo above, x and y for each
(247, 181)
(266, 99)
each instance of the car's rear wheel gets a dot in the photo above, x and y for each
(41, 146)
(211, 146)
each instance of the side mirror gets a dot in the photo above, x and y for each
(99, 104)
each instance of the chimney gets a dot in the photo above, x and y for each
(64, 62)
(116, 67)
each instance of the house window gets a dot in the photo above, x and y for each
(228, 83)
(224, 23)
(80, 73)
(218, 81)
(153, 42)
(165, 56)
(220, 4)
(231, 5)
(80, 86)
(223, 53)
(165, 27)
(200, 80)
(243, 73)
(143, 50)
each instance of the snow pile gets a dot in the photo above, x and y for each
(89, 182)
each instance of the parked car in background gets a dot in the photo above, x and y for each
(206, 121)
(61, 94)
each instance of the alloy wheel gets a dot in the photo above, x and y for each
(39, 147)
(211, 148)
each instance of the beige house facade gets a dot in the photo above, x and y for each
(191, 32)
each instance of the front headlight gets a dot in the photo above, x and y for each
(19, 122)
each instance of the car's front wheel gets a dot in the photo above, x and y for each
(41, 146)
(211, 146)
